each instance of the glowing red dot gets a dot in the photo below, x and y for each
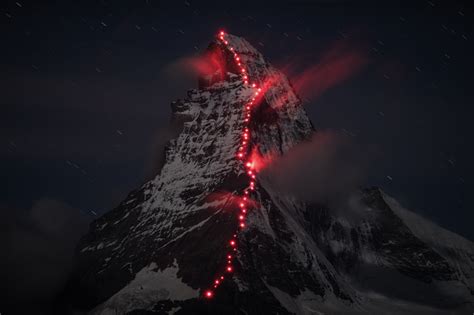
(208, 294)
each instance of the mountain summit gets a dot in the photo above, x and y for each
(211, 235)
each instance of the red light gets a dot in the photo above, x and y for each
(208, 294)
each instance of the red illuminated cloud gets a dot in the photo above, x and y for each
(209, 63)
(341, 61)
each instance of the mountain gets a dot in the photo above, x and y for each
(176, 244)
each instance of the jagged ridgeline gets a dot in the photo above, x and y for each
(159, 249)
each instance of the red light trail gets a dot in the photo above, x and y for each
(247, 163)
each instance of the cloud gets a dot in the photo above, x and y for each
(37, 254)
(339, 62)
(329, 168)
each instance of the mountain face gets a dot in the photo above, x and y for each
(162, 249)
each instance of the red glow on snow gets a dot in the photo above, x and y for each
(259, 161)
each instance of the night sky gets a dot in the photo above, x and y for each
(86, 88)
